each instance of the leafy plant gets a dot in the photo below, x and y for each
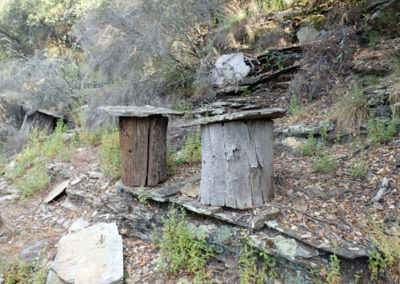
(181, 248)
(29, 171)
(311, 147)
(386, 256)
(249, 271)
(143, 196)
(246, 92)
(358, 169)
(111, 155)
(325, 164)
(380, 132)
(20, 271)
(35, 179)
(377, 264)
(190, 153)
(332, 275)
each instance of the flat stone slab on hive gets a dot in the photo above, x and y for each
(138, 111)
(259, 114)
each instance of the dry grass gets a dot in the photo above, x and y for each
(324, 65)
(351, 111)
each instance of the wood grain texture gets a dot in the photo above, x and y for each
(157, 150)
(134, 139)
(237, 168)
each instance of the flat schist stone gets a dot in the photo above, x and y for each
(259, 114)
(93, 255)
(138, 111)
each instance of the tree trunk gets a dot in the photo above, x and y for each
(143, 150)
(237, 166)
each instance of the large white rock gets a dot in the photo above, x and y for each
(229, 69)
(90, 256)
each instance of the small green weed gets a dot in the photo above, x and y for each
(295, 108)
(380, 132)
(358, 169)
(111, 155)
(19, 271)
(385, 258)
(356, 278)
(246, 92)
(325, 164)
(142, 197)
(332, 276)
(189, 154)
(311, 147)
(377, 264)
(192, 149)
(182, 249)
(249, 272)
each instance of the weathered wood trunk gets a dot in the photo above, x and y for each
(237, 164)
(143, 150)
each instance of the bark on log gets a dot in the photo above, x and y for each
(143, 150)
(237, 162)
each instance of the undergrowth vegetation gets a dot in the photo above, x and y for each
(111, 155)
(381, 132)
(255, 266)
(325, 164)
(295, 108)
(385, 239)
(29, 170)
(20, 271)
(351, 111)
(311, 147)
(358, 169)
(190, 153)
(182, 248)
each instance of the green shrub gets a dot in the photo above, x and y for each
(332, 275)
(36, 178)
(30, 172)
(111, 155)
(311, 147)
(182, 249)
(386, 255)
(325, 164)
(377, 264)
(20, 271)
(189, 154)
(249, 272)
(380, 132)
(358, 169)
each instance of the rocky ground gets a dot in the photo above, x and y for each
(321, 213)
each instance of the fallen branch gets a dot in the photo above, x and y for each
(382, 190)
